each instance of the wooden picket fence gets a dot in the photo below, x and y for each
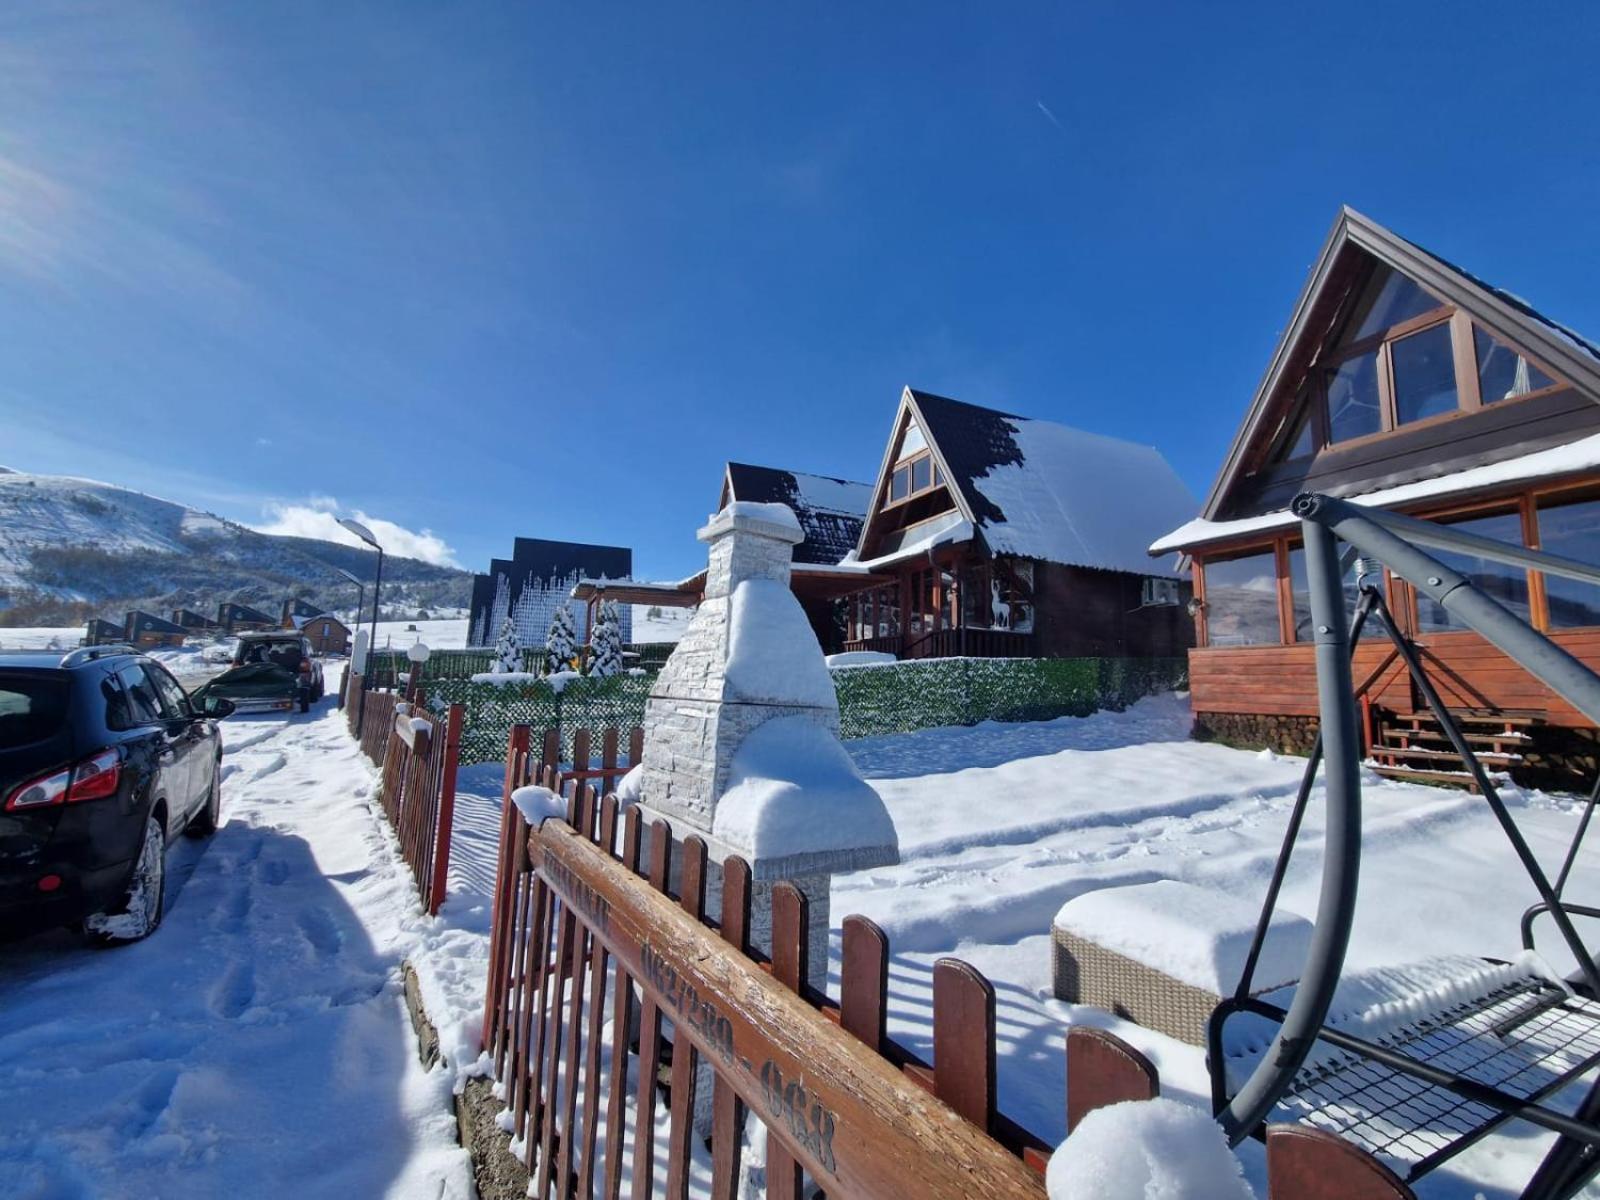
(595, 965)
(418, 778)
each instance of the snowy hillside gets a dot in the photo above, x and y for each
(73, 548)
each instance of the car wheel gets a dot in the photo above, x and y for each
(140, 913)
(204, 823)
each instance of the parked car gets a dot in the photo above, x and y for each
(272, 671)
(103, 760)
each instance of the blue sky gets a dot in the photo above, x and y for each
(489, 270)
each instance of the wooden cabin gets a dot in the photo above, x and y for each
(1404, 382)
(193, 622)
(241, 618)
(326, 633)
(990, 534)
(145, 629)
(831, 512)
(294, 608)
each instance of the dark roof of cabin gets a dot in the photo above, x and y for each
(144, 622)
(972, 440)
(829, 510)
(244, 612)
(1045, 490)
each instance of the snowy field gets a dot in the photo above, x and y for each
(259, 1041)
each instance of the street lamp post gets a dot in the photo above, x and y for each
(365, 534)
(361, 592)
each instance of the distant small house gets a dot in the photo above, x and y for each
(326, 632)
(297, 607)
(192, 621)
(147, 629)
(103, 633)
(239, 618)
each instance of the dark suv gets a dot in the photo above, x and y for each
(103, 758)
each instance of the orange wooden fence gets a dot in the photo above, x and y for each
(418, 766)
(595, 965)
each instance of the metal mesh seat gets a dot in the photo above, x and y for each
(1528, 1039)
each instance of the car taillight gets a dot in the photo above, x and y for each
(96, 778)
(40, 792)
(93, 778)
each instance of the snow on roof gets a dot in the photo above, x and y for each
(830, 511)
(951, 527)
(1044, 490)
(1581, 455)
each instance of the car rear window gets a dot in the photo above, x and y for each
(32, 708)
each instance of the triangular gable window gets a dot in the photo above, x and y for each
(912, 442)
(1504, 374)
(1388, 300)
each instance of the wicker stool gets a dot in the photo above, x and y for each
(1105, 942)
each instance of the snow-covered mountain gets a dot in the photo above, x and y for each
(75, 548)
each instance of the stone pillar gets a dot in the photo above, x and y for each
(741, 733)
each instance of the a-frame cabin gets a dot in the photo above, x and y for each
(1406, 383)
(999, 535)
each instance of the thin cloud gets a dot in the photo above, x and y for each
(1050, 116)
(316, 519)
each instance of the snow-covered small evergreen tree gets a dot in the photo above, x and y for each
(560, 645)
(605, 643)
(507, 651)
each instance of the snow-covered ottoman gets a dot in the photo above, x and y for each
(1163, 954)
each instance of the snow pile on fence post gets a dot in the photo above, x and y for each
(1146, 1150)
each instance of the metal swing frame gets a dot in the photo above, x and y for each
(1393, 541)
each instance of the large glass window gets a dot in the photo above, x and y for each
(1503, 374)
(1390, 299)
(921, 473)
(1300, 590)
(900, 483)
(1424, 375)
(1242, 601)
(1572, 531)
(1508, 585)
(1353, 409)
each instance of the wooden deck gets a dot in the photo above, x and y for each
(1467, 670)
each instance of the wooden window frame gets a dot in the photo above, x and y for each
(1513, 503)
(1276, 546)
(936, 479)
(1469, 389)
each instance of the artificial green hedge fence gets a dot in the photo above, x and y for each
(582, 702)
(925, 693)
(873, 700)
(385, 665)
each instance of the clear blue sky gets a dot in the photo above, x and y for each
(540, 269)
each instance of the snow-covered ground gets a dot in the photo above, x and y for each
(1000, 825)
(258, 1043)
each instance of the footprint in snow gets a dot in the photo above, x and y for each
(319, 931)
(236, 991)
(150, 1101)
(275, 873)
